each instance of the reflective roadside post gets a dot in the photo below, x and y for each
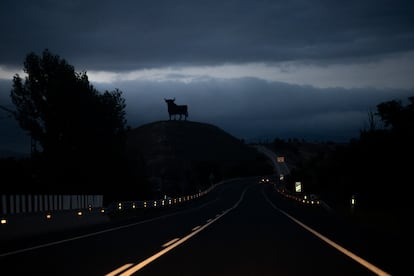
(353, 203)
(298, 187)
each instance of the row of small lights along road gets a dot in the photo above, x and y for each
(48, 215)
(302, 198)
(128, 205)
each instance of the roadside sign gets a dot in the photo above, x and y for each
(298, 186)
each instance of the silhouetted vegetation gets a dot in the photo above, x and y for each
(376, 167)
(78, 131)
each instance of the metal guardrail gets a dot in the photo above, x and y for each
(80, 205)
(33, 203)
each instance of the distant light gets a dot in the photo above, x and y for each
(119, 206)
(102, 210)
(90, 207)
(48, 216)
(79, 213)
(353, 201)
(3, 221)
(133, 205)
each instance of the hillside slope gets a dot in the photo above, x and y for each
(179, 157)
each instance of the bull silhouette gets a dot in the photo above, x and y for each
(174, 109)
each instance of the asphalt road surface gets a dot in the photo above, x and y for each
(243, 227)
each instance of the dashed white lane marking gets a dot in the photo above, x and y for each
(142, 264)
(195, 228)
(170, 242)
(100, 232)
(348, 253)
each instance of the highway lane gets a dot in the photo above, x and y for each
(256, 239)
(242, 228)
(129, 240)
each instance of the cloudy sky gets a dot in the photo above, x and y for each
(309, 69)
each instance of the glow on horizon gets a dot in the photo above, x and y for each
(391, 72)
(8, 73)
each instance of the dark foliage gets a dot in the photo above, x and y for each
(79, 132)
(376, 168)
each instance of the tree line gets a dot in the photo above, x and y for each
(77, 132)
(375, 168)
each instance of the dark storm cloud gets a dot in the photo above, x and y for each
(113, 35)
(130, 35)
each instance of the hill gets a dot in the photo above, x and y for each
(181, 157)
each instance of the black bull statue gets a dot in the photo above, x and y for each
(174, 109)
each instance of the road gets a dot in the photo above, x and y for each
(279, 168)
(243, 227)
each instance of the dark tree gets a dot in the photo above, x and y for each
(390, 112)
(400, 118)
(79, 129)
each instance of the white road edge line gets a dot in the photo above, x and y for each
(100, 232)
(348, 253)
(115, 228)
(139, 266)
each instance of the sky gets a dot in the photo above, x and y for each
(305, 69)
